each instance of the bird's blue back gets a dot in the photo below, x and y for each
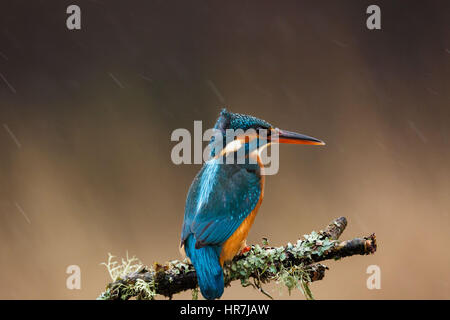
(219, 199)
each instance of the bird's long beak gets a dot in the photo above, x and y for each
(294, 138)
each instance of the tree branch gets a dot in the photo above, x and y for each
(294, 265)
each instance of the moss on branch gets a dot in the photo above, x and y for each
(293, 265)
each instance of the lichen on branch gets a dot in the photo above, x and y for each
(293, 265)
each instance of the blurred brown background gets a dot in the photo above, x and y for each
(86, 118)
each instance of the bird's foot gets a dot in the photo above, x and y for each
(245, 250)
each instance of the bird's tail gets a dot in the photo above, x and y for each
(206, 264)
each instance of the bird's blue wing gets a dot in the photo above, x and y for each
(219, 199)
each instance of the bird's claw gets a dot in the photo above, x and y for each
(245, 250)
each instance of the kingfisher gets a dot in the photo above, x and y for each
(224, 197)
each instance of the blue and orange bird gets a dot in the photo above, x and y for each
(223, 199)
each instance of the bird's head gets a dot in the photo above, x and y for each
(247, 128)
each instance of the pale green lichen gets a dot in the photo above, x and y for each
(273, 263)
(118, 270)
(146, 289)
(295, 277)
(195, 294)
(257, 266)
